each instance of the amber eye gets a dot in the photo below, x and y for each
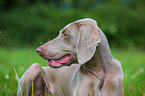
(65, 35)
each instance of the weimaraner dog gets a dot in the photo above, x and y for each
(80, 64)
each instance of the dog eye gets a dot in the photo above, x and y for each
(65, 35)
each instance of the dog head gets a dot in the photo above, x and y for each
(76, 43)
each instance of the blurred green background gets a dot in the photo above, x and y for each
(33, 22)
(27, 24)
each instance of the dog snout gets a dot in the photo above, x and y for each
(39, 50)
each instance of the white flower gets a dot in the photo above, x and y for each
(125, 75)
(7, 76)
(141, 70)
(133, 76)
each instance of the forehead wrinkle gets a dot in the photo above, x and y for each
(64, 29)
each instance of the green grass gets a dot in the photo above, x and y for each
(133, 63)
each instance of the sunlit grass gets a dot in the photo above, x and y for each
(21, 60)
(133, 63)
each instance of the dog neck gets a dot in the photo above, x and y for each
(94, 67)
(101, 58)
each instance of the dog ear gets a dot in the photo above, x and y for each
(88, 39)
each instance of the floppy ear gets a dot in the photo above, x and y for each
(88, 39)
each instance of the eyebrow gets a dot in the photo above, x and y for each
(63, 31)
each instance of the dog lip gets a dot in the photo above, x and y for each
(61, 61)
(59, 58)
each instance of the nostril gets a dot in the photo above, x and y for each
(39, 50)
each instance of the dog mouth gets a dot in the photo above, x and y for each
(61, 61)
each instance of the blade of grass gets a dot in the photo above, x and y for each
(11, 92)
(14, 85)
(63, 92)
(45, 91)
(17, 78)
(27, 90)
(132, 88)
(6, 89)
(142, 94)
(32, 89)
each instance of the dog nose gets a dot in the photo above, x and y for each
(39, 50)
